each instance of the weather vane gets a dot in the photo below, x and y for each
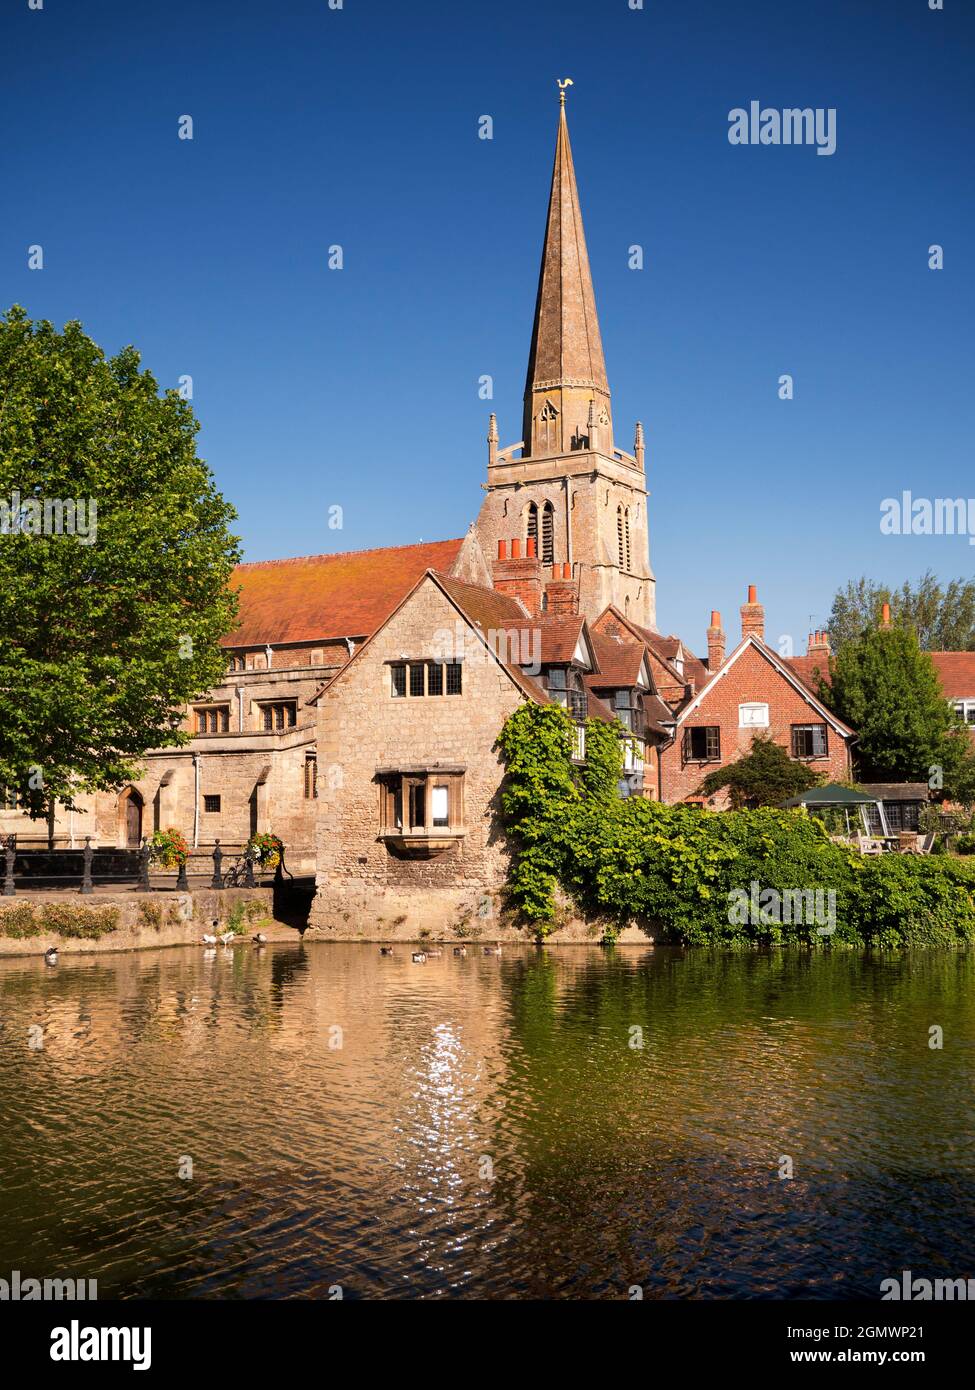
(563, 83)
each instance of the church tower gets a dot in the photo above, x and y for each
(564, 496)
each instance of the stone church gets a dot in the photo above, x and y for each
(364, 692)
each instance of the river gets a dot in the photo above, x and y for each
(568, 1122)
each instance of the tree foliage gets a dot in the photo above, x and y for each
(765, 776)
(106, 638)
(943, 617)
(888, 690)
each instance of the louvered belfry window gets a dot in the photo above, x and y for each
(548, 534)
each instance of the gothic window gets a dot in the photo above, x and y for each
(619, 536)
(548, 418)
(311, 776)
(533, 524)
(626, 536)
(548, 534)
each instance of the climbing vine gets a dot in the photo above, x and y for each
(696, 876)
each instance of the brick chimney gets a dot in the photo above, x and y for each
(716, 642)
(818, 648)
(521, 577)
(753, 616)
(562, 591)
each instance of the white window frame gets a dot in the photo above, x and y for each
(752, 706)
(965, 707)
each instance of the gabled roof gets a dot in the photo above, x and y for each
(487, 608)
(784, 669)
(957, 672)
(475, 604)
(560, 639)
(321, 598)
(620, 663)
(657, 645)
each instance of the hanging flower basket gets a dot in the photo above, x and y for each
(168, 849)
(265, 849)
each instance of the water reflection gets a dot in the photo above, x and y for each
(561, 1122)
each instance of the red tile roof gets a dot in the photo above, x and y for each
(619, 662)
(806, 667)
(488, 608)
(320, 598)
(957, 672)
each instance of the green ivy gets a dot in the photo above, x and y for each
(676, 868)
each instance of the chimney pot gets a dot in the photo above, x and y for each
(566, 570)
(502, 550)
(531, 546)
(716, 642)
(556, 570)
(885, 620)
(516, 549)
(753, 616)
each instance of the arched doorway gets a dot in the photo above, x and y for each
(130, 808)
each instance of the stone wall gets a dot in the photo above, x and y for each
(363, 728)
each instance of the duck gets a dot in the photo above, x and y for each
(209, 939)
(51, 955)
(228, 937)
(492, 950)
(435, 954)
(460, 950)
(419, 958)
(259, 939)
(385, 950)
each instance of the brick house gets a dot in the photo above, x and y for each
(751, 691)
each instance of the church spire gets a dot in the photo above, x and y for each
(565, 367)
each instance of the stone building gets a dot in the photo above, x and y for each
(364, 692)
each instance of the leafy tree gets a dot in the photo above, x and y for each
(766, 776)
(942, 617)
(888, 689)
(108, 630)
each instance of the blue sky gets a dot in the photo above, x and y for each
(359, 387)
